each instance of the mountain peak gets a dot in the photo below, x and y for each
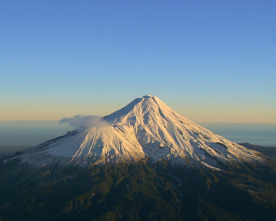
(140, 110)
(146, 128)
(148, 96)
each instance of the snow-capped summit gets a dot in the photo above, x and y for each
(144, 129)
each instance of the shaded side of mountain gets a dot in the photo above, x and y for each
(142, 191)
(268, 151)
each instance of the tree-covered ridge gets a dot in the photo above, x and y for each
(142, 191)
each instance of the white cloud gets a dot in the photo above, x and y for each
(80, 121)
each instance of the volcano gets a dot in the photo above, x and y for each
(145, 129)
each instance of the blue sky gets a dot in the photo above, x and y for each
(208, 60)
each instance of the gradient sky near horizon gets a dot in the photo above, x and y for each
(212, 61)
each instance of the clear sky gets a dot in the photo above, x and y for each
(208, 60)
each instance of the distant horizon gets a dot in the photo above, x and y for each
(198, 122)
(35, 132)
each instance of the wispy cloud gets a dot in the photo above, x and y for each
(80, 121)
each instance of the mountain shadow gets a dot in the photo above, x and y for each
(141, 191)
